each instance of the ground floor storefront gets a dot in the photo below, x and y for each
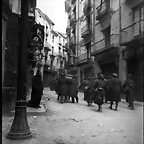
(134, 66)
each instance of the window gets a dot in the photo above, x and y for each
(107, 36)
(53, 39)
(52, 50)
(63, 41)
(136, 20)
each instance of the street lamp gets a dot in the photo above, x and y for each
(20, 128)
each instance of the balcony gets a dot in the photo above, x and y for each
(72, 20)
(68, 30)
(87, 7)
(72, 42)
(105, 44)
(81, 58)
(73, 1)
(134, 3)
(86, 30)
(133, 34)
(103, 10)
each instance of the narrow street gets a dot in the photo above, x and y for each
(70, 123)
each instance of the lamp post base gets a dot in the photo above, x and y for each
(20, 128)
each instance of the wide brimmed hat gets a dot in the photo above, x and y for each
(101, 75)
(100, 88)
(115, 75)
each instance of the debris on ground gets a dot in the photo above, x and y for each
(100, 124)
(75, 120)
(112, 130)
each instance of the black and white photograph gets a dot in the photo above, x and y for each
(72, 71)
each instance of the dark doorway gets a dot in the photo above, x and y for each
(135, 68)
(109, 68)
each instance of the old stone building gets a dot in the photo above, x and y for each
(112, 32)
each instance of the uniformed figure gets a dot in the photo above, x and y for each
(99, 97)
(115, 91)
(128, 89)
(107, 94)
(84, 87)
(62, 87)
(90, 91)
(73, 89)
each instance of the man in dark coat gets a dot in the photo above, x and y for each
(37, 91)
(107, 94)
(99, 97)
(90, 91)
(73, 90)
(115, 91)
(128, 89)
(84, 87)
(62, 87)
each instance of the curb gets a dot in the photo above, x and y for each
(141, 104)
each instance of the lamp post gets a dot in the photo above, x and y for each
(20, 128)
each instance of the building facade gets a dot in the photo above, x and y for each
(11, 45)
(106, 30)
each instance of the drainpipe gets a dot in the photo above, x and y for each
(122, 63)
(78, 69)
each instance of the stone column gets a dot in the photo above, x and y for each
(5, 15)
(4, 26)
(78, 76)
(122, 67)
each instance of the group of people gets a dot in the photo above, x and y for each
(66, 88)
(97, 89)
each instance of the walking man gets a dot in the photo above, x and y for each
(128, 89)
(115, 90)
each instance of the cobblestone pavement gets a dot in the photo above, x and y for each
(70, 123)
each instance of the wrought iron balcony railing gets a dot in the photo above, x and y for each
(73, 1)
(86, 30)
(72, 19)
(81, 58)
(103, 9)
(72, 41)
(105, 44)
(134, 3)
(132, 31)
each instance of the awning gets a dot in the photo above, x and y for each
(48, 46)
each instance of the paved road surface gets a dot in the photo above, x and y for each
(79, 124)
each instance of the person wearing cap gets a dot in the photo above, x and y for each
(73, 90)
(37, 91)
(128, 90)
(115, 91)
(62, 87)
(99, 97)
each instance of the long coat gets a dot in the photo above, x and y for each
(73, 89)
(128, 88)
(99, 96)
(115, 90)
(90, 91)
(37, 90)
(107, 87)
(62, 86)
